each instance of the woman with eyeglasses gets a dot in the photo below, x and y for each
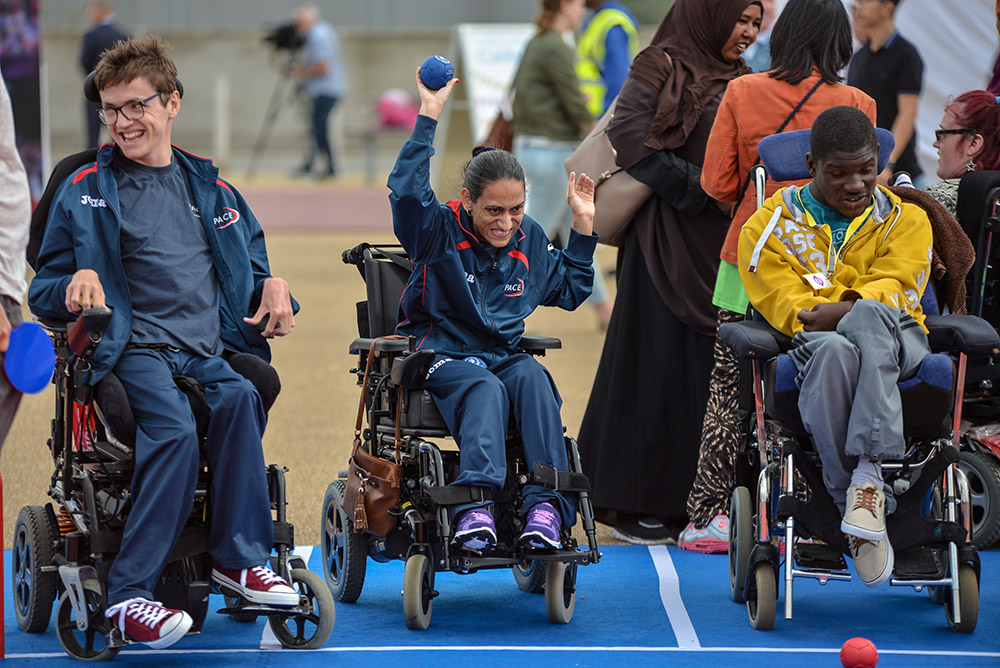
(966, 142)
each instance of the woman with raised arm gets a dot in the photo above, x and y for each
(480, 267)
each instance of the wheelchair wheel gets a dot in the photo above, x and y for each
(241, 617)
(968, 601)
(740, 542)
(763, 603)
(311, 629)
(983, 472)
(92, 644)
(937, 594)
(418, 592)
(530, 576)
(33, 589)
(345, 553)
(560, 591)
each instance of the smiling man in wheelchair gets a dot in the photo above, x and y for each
(152, 233)
(840, 265)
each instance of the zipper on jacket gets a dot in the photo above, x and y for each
(482, 296)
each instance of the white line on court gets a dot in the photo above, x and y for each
(267, 638)
(533, 648)
(670, 594)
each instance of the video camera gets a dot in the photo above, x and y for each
(285, 37)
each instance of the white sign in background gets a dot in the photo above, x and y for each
(488, 54)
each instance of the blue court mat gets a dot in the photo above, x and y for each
(641, 606)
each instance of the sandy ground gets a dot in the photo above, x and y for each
(311, 425)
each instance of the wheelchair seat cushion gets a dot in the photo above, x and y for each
(109, 394)
(926, 397)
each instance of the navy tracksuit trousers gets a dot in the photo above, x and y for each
(166, 467)
(475, 403)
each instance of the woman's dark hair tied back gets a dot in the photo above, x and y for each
(489, 165)
(480, 149)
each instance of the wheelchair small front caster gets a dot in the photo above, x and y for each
(560, 591)
(93, 643)
(968, 601)
(763, 601)
(310, 625)
(418, 592)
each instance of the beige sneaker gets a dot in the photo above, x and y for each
(873, 560)
(865, 515)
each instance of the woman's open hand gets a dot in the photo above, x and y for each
(580, 196)
(432, 101)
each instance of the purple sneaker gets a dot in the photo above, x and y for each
(542, 528)
(475, 530)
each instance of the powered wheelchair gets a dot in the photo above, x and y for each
(403, 425)
(785, 506)
(63, 551)
(979, 457)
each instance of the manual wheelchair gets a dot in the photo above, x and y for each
(63, 551)
(785, 505)
(422, 534)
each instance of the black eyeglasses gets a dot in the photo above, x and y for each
(939, 133)
(132, 111)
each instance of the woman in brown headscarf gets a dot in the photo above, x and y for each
(639, 437)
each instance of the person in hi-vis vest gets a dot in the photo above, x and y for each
(609, 42)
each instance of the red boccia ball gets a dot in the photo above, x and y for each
(858, 653)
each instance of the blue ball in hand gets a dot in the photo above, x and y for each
(436, 71)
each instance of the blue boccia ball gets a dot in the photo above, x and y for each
(436, 71)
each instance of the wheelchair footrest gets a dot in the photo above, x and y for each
(561, 481)
(920, 563)
(819, 556)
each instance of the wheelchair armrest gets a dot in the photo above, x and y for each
(363, 345)
(961, 333)
(754, 338)
(532, 342)
(410, 372)
(88, 330)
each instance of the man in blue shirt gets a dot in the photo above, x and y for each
(322, 72)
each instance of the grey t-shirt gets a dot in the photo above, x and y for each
(167, 259)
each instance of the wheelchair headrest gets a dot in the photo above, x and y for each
(976, 193)
(784, 154)
(91, 93)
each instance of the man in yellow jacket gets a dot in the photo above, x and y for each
(840, 265)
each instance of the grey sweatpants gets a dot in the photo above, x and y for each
(848, 397)
(9, 397)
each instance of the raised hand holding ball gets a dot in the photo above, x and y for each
(436, 71)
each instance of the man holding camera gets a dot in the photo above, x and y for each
(324, 82)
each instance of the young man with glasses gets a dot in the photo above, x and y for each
(889, 68)
(151, 232)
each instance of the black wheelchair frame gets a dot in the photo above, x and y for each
(422, 534)
(979, 457)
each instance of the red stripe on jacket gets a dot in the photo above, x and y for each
(89, 170)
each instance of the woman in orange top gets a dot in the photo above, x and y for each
(810, 45)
